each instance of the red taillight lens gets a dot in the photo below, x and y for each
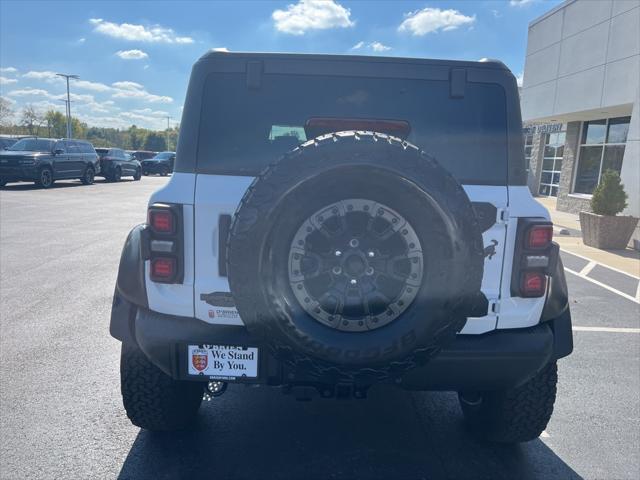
(533, 284)
(539, 237)
(163, 268)
(161, 221)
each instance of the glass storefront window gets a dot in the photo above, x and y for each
(594, 157)
(552, 163)
(528, 146)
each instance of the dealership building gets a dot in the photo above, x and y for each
(580, 101)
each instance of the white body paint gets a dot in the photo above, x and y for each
(206, 197)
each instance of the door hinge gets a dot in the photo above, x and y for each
(502, 215)
(494, 307)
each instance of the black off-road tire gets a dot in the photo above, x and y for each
(45, 178)
(375, 167)
(153, 400)
(89, 176)
(137, 175)
(515, 415)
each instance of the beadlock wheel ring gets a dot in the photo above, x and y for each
(355, 265)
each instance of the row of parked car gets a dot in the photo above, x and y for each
(45, 160)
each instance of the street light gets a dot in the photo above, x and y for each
(68, 101)
(168, 118)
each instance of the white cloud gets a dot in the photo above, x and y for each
(311, 15)
(93, 86)
(520, 3)
(132, 54)
(141, 94)
(34, 92)
(42, 75)
(7, 81)
(150, 112)
(430, 20)
(374, 46)
(139, 33)
(379, 47)
(8, 70)
(127, 85)
(82, 40)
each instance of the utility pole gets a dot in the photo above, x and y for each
(168, 118)
(67, 106)
(67, 77)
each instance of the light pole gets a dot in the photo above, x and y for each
(168, 118)
(68, 101)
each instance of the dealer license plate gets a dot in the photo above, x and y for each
(222, 361)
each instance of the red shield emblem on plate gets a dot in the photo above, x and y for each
(200, 361)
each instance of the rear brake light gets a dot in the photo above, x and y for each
(163, 268)
(539, 237)
(321, 125)
(533, 284)
(161, 221)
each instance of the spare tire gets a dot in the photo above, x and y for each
(355, 253)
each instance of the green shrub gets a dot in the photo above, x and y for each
(609, 197)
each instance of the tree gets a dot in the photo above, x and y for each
(6, 112)
(155, 142)
(31, 119)
(56, 124)
(136, 137)
(609, 197)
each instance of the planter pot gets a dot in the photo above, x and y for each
(603, 231)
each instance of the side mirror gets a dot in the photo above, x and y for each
(58, 151)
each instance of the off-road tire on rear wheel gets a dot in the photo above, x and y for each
(89, 176)
(45, 178)
(137, 175)
(515, 415)
(350, 172)
(153, 400)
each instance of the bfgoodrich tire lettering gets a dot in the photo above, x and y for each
(332, 168)
(153, 400)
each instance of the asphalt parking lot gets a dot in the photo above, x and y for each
(61, 414)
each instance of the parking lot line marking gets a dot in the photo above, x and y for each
(603, 285)
(601, 264)
(587, 268)
(638, 293)
(606, 329)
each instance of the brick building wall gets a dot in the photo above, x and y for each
(566, 201)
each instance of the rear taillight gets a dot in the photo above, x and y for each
(164, 243)
(161, 220)
(533, 284)
(539, 237)
(535, 257)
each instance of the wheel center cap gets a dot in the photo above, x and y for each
(354, 265)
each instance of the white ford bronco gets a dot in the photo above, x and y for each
(338, 222)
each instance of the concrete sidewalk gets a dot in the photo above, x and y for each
(627, 260)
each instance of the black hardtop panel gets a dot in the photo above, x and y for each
(254, 65)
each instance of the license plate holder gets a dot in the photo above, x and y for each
(222, 362)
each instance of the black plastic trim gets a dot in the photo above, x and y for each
(224, 224)
(495, 360)
(131, 278)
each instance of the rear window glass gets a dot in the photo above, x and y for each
(242, 130)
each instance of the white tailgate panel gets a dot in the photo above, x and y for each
(215, 195)
(493, 237)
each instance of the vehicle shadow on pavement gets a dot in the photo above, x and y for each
(257, 433)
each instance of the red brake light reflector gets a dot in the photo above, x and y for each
(539, 237)
(161, 221)
(533, 284)
(163, 268)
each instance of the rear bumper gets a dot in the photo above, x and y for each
(499, 359)
(155, 167)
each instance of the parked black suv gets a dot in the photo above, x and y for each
(162, 163)
(141, 155)
(44, 160)
(115, 164)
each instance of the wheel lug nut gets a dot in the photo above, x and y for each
(354, 243)
(353, 281)
(371, 254)
(338, 253)
(336, 270)
(369, 271)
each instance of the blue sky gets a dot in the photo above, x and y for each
(134, 58)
